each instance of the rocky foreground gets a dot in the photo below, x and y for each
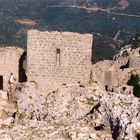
(72, 113)
(79, 112)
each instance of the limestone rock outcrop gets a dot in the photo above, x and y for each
(120, 113)
(73, 113)
(114, 74)
(30, 101)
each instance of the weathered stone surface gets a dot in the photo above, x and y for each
(3, 114)
(119, 112)
(9, 63)
(56, 58)
(73, 102)
(3, 95)
(114, 74)
(5, 137)
(30, 101)
(52, 126)
(73, 113)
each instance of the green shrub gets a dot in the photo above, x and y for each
(135, 82)
(90, 101)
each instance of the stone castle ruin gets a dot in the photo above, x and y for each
(11, 59)
(53, 59)
(56, 58)
(64, 58)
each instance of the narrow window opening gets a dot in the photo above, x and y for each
(57, 56)
(106, 87)
(1, 82)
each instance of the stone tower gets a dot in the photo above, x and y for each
(56, 58)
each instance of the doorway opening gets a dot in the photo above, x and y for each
(22, 74)
(1, 82)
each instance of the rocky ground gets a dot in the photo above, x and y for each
(72, 113)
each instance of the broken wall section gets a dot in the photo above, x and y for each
(9, 63)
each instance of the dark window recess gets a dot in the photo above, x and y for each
(106, 87)
(1, 82)
(57, 56)
(58, 51)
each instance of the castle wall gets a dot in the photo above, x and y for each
(9, 63)
(134, 60)
(56, 58)
(121, 77)
(109, 75)
(108, 79)
(134, 63)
